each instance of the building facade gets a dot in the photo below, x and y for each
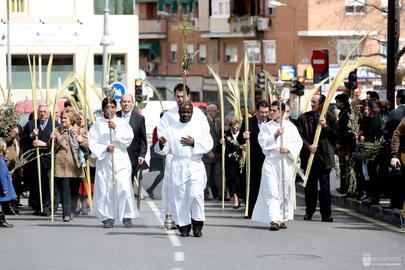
(278, 36)
(71, 31)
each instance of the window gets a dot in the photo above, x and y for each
(270, 8)
(269, 48)
(252, 49)
(173, 52)
(190, 48)
(220, 8)
(202, 53)
(62, 65)
(383, 50)
(355, 6)
(18, 6)
(384, 5)
(117, 64)
(231, 53)
(116, 7)
(344, 47)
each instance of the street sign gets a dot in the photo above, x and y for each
(319, 61)
(120, 90)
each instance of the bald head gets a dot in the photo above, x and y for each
(127, 103)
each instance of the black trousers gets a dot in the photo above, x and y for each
(67, 192)
(318, 175)
(34, 188)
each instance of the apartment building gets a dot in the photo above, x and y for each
(278, 36)
(71, 31)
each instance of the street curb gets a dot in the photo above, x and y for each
(390, 216)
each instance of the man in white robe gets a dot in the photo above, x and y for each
(271, 207)
(112, 201)
(186, 178)
(168, 119)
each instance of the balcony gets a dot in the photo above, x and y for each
(152, 29)
(231, 27)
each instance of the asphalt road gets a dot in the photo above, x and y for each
(229, 242)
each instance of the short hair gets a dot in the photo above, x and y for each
(70, 114)
(107, 101)
(374, 106)
(232, 121)
(67, 104)
(180, 87)
(262, 103)
(343, 98)
(277, 103)
(43, 106)
(185, 103)
(373, 94)
(401, 96)
(322, 98)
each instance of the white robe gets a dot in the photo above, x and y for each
(269, 204)
(168, 119)
(186, 176)
(105, 204)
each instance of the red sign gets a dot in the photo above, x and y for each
(319, 61)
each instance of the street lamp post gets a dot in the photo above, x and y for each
(105, 42)
(9, 84)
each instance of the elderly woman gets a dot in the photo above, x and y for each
(233, 155)
(68, 164)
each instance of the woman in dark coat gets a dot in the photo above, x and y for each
(233, 155)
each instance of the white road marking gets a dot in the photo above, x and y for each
(179, 256)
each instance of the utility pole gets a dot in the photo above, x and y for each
(105, 42)
(9, 84)
(391, 52)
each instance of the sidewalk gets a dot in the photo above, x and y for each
(380, 212)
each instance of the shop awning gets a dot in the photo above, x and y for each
(152, 48)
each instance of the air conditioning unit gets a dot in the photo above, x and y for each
(194, 21)
(263, 24)
(150, 67)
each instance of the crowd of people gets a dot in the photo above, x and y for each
(367, 136)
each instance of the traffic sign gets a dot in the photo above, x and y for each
(120, 90)
(319, 61)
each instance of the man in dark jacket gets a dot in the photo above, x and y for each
(324, 159)
(37, 138)
(138, 148)
(212, 160)
(394, 182)
(256, 153)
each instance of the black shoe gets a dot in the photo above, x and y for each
(327, 219)
(363, 196)
(371, 201)
(150, 193)
(127, 222)
(184, 230)
(274, 226)
(45, 214)
(283, 226)
(307, 217)
(108, 223)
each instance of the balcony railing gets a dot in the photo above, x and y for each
(152, 27)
